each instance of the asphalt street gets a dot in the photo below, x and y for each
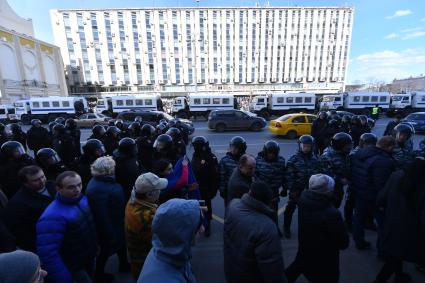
(356, 266)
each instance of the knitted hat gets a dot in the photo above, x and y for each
(261, 191)
(321, 183)
(18, 267)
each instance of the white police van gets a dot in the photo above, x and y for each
(357, 102)
(201, 104)
(281, 103)
(49, 108)
(7, 113)
(119, 103)
(407, 102)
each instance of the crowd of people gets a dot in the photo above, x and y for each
(133, 191)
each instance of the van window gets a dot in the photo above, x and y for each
(55, 104)
(365, 99)
(374, 99)
(148, 101)
(84, 116)
(36, 104)
(226, 101)
(100, 103)
(279, 100)
(65, 103)
(260, 101)
(197, 101)
(2, 111)
(129, 102)
(289, 100)
(405, 98)
(356, 98)
(337, 98)
(382, 99)
(307, 100)
(45, 104)
(120, 102)
(206, 101)
(298, 100)
(139, 101)
(216, 100)
(423, 98)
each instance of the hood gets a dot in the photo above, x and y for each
(173, 230)
(365, 153)
(312, 201)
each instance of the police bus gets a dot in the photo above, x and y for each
(49, 108)
(115, 104)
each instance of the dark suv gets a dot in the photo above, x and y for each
(152, 117)
(417, 120)
(221, 120)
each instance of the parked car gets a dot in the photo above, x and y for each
(152, 117)
(370, 121)
(417, 120)
(292, 125)
(91, 119)
(221, 120)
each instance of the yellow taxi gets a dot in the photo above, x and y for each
(292, 125)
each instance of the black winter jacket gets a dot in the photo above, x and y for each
(252, 247)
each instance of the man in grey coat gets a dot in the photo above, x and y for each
(241, 178)
(252, 246)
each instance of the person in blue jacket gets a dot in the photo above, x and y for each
(66, 236)
(106, 199)
(174, 228)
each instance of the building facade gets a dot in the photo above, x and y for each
(207, 49)
(29, 67)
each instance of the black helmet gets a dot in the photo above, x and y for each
(14, 128)
(134, 127)
(94, 147)
(271, 147)
(70, 124)
(163, 142)
(138, 119)
(368, 139)
(60, 120)
(148, 130)
(322, 114)
(342, 142)
(59, 128)
(306, 139)
(355, 120)
(127, 146)
(111, 123)
(333, 123)
(200, 143)
(172, 123)
(239, 143)
(175, 134)
(51, 125)
(162, 127)
(119, 123)
(163, 121)
(113, 130)
(46, 157)
(363, 118)
(404, 128)
(12, 150)
(36, 122)
(346, 119)
(98, 130)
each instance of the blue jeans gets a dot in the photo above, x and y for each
(364, 208)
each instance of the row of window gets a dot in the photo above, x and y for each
(215, 101)
(369, 98)
(132, 102)
(45, 104)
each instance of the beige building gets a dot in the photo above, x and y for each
(29, 67)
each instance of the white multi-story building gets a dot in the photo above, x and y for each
(204, 49)
(28, 67)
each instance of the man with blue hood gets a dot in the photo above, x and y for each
(174, 228)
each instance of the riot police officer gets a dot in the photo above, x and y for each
(38, 137)
(334, 162)
(75, 134)
(120, 125)
(300, 167)
(207, 173)
(17, 134)
(178, 144)
(163, 149)
(92, 150)
(12, 159)
(127, 168)
(318, 130)
(145, 147)
(65, 145)
(229, 162)
(4, 137)
(270, 168)
(134, 130)
(50, 162)
(112, 139)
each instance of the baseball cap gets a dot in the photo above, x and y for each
(149, 182)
